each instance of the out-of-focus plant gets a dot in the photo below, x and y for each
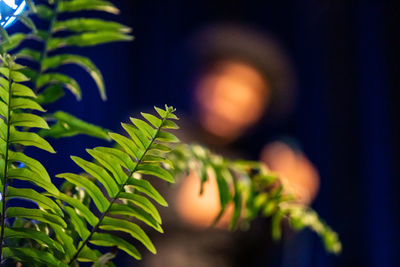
(63, 25)
(69, 223)
(253, 190)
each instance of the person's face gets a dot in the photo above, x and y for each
(231, 97)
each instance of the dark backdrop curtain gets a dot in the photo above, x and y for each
(346, 55)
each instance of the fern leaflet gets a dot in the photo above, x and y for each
(120, 172)
(16, 101)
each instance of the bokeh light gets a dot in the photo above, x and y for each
(231, 96)
(197, 209)
(9, 11)
(298, 175)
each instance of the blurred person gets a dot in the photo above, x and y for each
(241, 76)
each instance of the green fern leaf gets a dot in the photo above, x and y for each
(59, 78)
(156, 170)
(143, 127)
(88, 39)
(68, 125)
(29, 139)
(113, 224)
(123, 158)
(16, 97)
(146, 188)
(18, 89)
(119, 209)
(156, 122)
(25, 103)
(108, 240)
(82, 5)
(140, 140)
(12, 42)
(89, 255)
(42, 201)
(127, 144)
(84, 62)
(99, 173)
(32, 164)
(28, 120)
(77, 31)
(168, 124)
(28, 54)
(35, 214)
(256, 191)
(100, 201)
(160, 147)
(64, 239)
(29, 255)
(78, 222)
(143, 203)
(4, 35)
(44, 12)
(79, 207)
(111, 164)
(89, 24)
(168, 137)
(50, 94)
(40, 237)
(135, 158)
(28, 22)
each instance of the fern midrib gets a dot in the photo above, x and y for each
(4, 198)
(104, 214)
(43, 54)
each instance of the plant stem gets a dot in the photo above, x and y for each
(104, 214)
(4, 192)
(43, 54)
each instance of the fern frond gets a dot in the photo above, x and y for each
(87, 39)
(89, 25)
(48, 82)
(252, 190)
(16, 104)
(80, 31)
(30, 255)
(120, 172)
(68, 125)
(63, 59)
(13, 41)
(87, 5)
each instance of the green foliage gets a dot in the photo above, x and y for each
(45, 64)
(114, 181)
(120, 172)
(68, 125)
(17, 104)
(253, 191)
(112, 194)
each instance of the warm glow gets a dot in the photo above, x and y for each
(200, 210)
(298, 175)
(232, 96)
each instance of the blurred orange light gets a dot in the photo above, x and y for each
(298, 175)
(232, 96)
(200, 210)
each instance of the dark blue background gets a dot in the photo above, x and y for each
(346, 56)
